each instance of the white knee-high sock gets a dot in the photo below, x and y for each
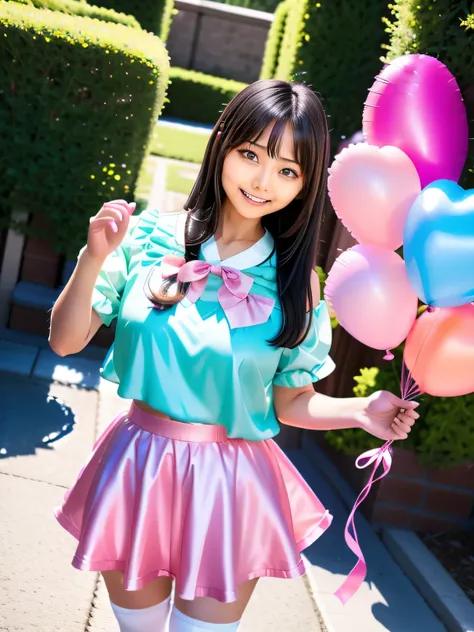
(180, 622)
(154, 619)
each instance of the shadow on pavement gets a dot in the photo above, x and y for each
(30, 417)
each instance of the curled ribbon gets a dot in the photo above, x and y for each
(241, 308)
(378, 456)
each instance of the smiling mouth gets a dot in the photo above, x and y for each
(252, 198)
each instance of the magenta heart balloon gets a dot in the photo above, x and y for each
(415, 104)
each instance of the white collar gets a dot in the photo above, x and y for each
(253, 256)
(248, 258)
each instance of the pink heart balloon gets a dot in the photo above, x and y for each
(415, 104)
(372, 190)
(368, 290)
(439, 351)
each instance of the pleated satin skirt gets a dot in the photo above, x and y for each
(182, 500)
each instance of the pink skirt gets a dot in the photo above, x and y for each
(161, 498)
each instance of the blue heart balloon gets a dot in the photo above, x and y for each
(439, 244)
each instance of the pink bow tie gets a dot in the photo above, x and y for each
(241, 308)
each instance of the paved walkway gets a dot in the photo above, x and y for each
(52, 410)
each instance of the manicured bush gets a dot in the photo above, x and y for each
(443, 29)
(80, 98)
(274, 40)
(78, 7)
(287, 66)
(197, 97)
(339, 54)
(154, 16)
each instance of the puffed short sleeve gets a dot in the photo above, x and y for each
(115, 272)
(309, 362)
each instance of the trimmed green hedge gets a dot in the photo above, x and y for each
(288, 66)
(194, 96)
(340, 53)
(274, 40)
(153, 15)
(78, 7)
(80, 98)
(442, 29)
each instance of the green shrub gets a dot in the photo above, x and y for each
(287, 67)
(80, 99)
(443, 29)
(442, 437)
(78, 7)
(339, 54)
(154, 16)
(274, 40)
(194, 96)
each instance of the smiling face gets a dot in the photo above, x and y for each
(255, 184)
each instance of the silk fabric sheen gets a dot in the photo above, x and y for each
(188, 362)
(164, 498)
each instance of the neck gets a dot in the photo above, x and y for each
(234, 227)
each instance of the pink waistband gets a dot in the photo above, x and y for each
(180, 430)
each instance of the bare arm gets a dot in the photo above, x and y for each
(303, 408)
(382, 414)
(73, 321)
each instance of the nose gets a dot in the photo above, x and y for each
(262, 180)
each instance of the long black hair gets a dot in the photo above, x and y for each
(294, 228)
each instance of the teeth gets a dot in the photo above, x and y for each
(253, 198)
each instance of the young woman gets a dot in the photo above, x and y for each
(221, 334)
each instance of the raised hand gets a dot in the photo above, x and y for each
(108, 228)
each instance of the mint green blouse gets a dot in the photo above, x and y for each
(187, 361)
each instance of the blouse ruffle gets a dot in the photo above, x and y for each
(150, 237)
(309, 362)
(132, 361)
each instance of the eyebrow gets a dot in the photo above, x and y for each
(265, 148)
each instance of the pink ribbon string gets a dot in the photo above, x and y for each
(378, 456)
(241, 308)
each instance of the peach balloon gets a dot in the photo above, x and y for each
(439, 351)
(368, 289)
(372, 190)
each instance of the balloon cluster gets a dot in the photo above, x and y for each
(400, 188)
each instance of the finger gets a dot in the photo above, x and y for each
(399, 434)
(403, 403)
(408, 419)
(409, 405)
(125, 211)
(401, 425)
(119, 211)
(122, 202)
(100, 223)
(122, 205)
(110, 211)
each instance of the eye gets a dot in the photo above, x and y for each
(250, 155)
(292, 172)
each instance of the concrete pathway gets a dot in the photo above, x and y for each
(52, 410)
(47, 430)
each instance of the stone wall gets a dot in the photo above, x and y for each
(218, 39)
